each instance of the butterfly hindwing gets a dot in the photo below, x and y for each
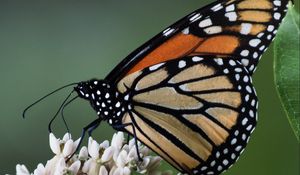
(196, 112)
(242, 29)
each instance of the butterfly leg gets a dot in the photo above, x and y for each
(128, 138)
(90, 127)
(121, 127)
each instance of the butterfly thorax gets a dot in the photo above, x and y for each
(105, 100)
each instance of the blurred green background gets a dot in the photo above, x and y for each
(47, 44)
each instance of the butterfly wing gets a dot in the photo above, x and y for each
(191, 96)
(242, 29)
(196, 112)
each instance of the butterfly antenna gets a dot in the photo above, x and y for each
(62, 112)
(59, 109)
(25, 110)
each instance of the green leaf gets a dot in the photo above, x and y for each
(286, 68)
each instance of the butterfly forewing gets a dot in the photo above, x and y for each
(240, 29)
(192, 109)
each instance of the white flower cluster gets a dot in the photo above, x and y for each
(118, 158)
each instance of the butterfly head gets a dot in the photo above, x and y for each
(88, 89)
(101, 96)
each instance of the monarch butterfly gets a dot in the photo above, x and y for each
(187, 93)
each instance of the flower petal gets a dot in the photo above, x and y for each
(132, 154)
(103, 170)
(51, 164)
(54, 144)
(83, 153)
(125, 147)
(22, 170)
(86, 166)
(40, 170)
(122, 159)
(107, 154)
(117, 140)
(68, 148)
(145, 163)
(94, 149)
(67, 137)
(76, 143)
(118, 171)
(126, 171)
(60, 167)
(75, 167)
(104, 144)
(116, 154)
(90, 141)
(131, 143)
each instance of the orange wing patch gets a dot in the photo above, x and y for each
(187, 44)
(176, 47)
(223, 44)
(254, 4)
(255, 16)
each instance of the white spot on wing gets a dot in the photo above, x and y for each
(255, 55)
(270, 28)
(217, 7)
(277, 15)
(238, 69)
(269, 37)
(244, 121)
(232, 16)
(230, 8)
(168, 31)
(262, 47)
(245, 62)
(156, 66)
(254, 42)
(181, 64)
(245, 28)
(260, 35)
(219, 61)
(186, 31)
(226, 71)
(195, 17)
(213, 30)
(246, 79)
(248, 88)
(251, 67)
(232, 63)
(245, 53)
(277, 3)
(205, 23)
(225, 162)
(184, 88)
(196, 59)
